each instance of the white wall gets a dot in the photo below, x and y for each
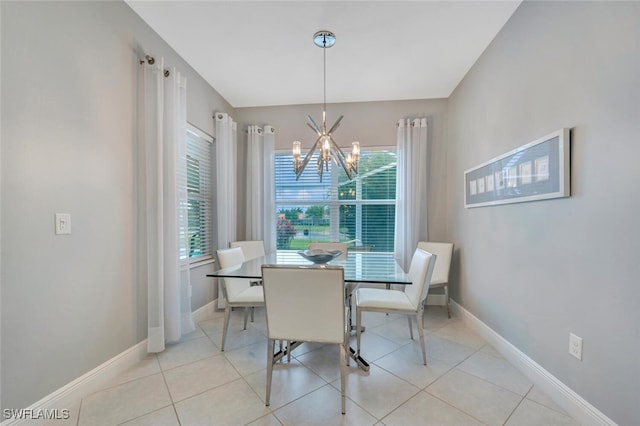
(534, 272)
(69, 303)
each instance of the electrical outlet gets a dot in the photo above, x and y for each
(575, 346)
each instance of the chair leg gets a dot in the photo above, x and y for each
(246, 315)
(410, 327)
(289, 350)
(347, 336)
(343, 374)
(252, 309)
(421, 333)
(358, 329)
(225, 326)
(388, 287)
(350, 312)
(271, 346)
(446, 299)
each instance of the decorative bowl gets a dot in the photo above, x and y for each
(320, 256)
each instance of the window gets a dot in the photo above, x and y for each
(360, 211)
(199, 194)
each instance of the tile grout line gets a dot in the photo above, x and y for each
(79, 411)
(273, 413)
(451, 405)
(399, 406)
(548, 408)
(173, 405)
(513, 411)
(490, 382)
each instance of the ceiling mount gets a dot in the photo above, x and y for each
(324, 39)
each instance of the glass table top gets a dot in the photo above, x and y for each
(358, 267)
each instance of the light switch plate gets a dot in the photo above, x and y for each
(63, 223)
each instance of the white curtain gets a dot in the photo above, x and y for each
(226, 178)
(411, 188)
(162, 192)
(261, 216)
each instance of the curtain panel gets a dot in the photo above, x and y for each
(161, 226)
(226, 178)
(411, 188)
(260, 194)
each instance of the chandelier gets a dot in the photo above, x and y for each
(329, 149)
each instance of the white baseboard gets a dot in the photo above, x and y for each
(99, 376)
(436, 299)
(576, 406)
(205, 312)
(88, 382)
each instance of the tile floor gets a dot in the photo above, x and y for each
(192, 383)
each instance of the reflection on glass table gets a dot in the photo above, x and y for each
(359, 267)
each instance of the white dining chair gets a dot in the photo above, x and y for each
(409, 302)
(238, 292)
(330, 246)
(305, 304)
(250, 248)
(440, 278)
(343, 247)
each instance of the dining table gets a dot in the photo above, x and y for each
(359, 268)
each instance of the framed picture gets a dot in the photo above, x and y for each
(481, 185)
(536, 171)
(489, 179)
(525, 172)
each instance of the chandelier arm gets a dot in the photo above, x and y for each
(315, 130)
(313, 125)
(341, 158)
(338, 149)
(335, 125)
(320, 167)
(307, 158)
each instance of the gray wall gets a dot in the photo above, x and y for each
(371, 123)
(536, 271)
(69, 303)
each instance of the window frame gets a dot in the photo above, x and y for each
(208, 198)
(334, 202)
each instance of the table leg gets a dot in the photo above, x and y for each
(361, 362)
(351, 326)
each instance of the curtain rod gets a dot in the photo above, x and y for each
(151, 60)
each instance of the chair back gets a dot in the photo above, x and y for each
(331, 246)
(228, 258)
(420, 271)
(250, 249)
(304, 303)
(444, 252)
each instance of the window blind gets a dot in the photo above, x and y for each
(360, 212)
(199, 194)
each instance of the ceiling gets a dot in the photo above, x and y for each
(261, 53)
